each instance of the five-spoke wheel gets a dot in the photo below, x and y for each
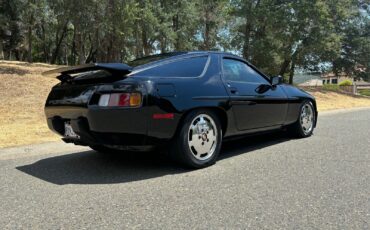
(198, 141)
(306, 121)
(307, 118)
(202, 137)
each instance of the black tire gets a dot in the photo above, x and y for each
(297, 129)
(210, 137)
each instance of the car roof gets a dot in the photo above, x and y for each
(156, 58)
(180, 54)
(211, 52)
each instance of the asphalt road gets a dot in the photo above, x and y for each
(269, 182)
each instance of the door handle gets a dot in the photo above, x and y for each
(233, 90)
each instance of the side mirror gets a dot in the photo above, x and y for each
(276, 80)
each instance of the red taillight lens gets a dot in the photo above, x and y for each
(120, 99)
(158, 116)
(124, 99)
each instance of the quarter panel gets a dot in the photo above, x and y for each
(296, 96)
(189, 93)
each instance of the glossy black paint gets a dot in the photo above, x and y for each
(241, 107)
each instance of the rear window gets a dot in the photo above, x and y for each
(92, 74)
(153, 58)
(187, 67)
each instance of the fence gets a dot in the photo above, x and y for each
(350, 89)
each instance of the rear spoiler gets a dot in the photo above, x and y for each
(65, 72)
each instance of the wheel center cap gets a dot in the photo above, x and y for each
(204, 137)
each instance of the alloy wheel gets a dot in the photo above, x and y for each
(202, 137)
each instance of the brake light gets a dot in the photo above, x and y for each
(120, 100)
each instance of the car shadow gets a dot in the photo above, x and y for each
(90, 167)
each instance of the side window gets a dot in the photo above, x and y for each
(188, 67)
(235, 70)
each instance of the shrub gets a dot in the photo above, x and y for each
(364, 92)
(346, 83)
(331, 87)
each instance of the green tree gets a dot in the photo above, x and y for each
(10, 28)
(354, 59)
(212, 16)
(278, 36)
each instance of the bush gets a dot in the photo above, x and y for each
(364, 92)
(346, 83)
(331, 87)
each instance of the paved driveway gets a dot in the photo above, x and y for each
(261, 182)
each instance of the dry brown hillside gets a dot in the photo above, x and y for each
(23, 92)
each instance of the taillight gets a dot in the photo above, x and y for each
(120, 99)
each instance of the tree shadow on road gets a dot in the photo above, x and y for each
(90, 167)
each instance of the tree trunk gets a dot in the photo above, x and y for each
(138, 50)
(206, 44)
(247, 36)
(66, 54)
(29, 56)
(58, 43)
(175, 28)
(248, 28)
(81, 50)
(16, 54)
(30, 24)
(292, 66)
(73, 48)
(1, 51)
(163, 44)
(284, 67)
(44, 46)
(144, 41)
(291, 72)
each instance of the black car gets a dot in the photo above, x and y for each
(185, 102)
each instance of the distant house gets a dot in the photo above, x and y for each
(331, 78)
(322, 79)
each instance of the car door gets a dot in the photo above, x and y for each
(255, 102)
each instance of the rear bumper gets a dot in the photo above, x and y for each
(102, 119)
(97, 126)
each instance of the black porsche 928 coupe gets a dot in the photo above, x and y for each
(187, 102)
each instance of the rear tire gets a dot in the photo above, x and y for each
(306, 121)
(198, 141)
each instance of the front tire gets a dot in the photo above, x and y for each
(305, 124)
(198, 141)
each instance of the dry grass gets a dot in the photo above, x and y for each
(23, 92)
(327, 100)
